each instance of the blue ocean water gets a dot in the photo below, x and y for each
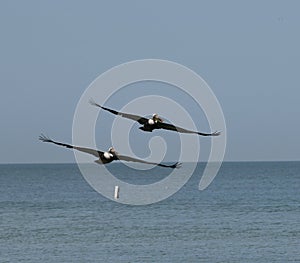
(250, 213)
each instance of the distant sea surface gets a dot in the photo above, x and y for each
(250, 213)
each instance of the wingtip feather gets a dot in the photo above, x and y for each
(92, 102)
(216, 133)
(178, 165)
(44, 138)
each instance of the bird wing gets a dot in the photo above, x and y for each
(96, 153)
(131, 159)
(171, 127)
(137, 118)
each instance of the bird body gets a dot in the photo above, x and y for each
(107, 156)
(154, 123)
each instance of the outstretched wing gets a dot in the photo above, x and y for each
(137, 118)
(96, 153)
(131, 159)
(167, 126)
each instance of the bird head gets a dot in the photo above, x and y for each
(156, 118)
(111, 149)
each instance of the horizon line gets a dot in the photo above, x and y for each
(228, 161)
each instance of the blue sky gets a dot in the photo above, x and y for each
(247, 51)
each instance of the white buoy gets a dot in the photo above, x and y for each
(117, 190)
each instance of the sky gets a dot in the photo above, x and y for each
(247, 52)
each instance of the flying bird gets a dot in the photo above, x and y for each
(153, 123)
(107, 156)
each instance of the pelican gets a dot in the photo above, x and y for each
(153, 123)
(107, 156)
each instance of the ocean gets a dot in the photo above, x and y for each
(250, 213)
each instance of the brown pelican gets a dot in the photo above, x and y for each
(107, 156)
(153, 123)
